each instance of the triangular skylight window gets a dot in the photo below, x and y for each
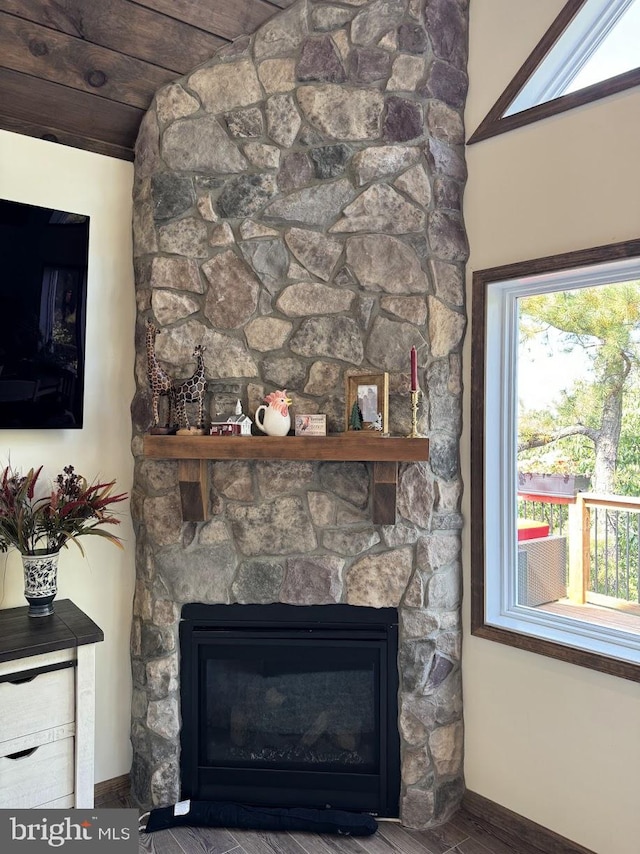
(590, 51)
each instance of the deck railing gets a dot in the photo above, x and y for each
(603, 536)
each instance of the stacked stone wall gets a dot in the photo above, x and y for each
(297, 211)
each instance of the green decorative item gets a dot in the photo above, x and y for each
(355, 419)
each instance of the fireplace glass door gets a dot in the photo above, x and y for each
(291, 714)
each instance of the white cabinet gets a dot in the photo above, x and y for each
(47, 718)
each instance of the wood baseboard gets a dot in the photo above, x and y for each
(510, 827)
(109, 790)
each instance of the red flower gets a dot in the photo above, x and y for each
(73, 509)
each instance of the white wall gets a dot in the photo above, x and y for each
(101, 584)
(556, 743)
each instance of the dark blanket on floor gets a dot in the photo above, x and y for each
(216, 814)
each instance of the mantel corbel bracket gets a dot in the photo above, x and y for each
(193, 477)
(385, 484)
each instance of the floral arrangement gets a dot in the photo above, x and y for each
(41, 525)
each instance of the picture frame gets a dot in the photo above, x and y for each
(371, 394)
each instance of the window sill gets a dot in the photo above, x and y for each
(563, 652)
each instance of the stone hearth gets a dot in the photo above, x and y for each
(297, 212)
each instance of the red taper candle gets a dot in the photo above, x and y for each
(414, 369)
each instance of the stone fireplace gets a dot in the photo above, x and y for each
(297, 211)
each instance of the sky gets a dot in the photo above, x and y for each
(545, 370)
(618, 53)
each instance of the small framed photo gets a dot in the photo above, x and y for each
(367, 403)
(311, 425)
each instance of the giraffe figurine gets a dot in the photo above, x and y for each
(159, 379)
(192, 391)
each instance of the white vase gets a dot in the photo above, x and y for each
(271, 422)
(40, 582)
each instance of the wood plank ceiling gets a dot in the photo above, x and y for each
(83, 72)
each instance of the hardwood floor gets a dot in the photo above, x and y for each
(389, 839)
(477, 830)
(625, 617)
(464, 834)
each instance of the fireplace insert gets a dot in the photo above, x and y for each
(290, 706)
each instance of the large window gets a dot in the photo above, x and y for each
(555, 457)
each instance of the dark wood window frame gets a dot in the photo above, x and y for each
(496, 122)
(479, 627)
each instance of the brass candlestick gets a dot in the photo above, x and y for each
(415, 396)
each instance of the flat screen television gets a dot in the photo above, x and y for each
(43, 295)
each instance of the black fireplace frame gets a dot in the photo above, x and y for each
(374, 628)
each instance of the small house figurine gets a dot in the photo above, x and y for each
(233, 425)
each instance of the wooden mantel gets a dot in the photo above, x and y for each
(192, 453)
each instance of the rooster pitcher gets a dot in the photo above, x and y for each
(274, 419)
